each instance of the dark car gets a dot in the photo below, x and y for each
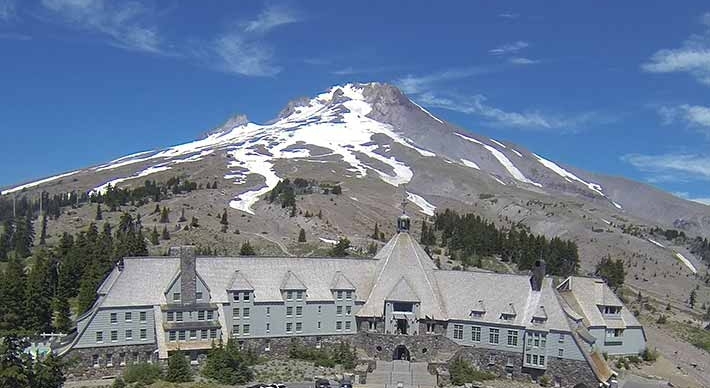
(346, 384)
(322, 383)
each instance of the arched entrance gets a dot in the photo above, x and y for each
(401, 353)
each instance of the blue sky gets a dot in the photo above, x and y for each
(619, 88)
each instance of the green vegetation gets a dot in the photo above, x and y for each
(247, 249)
(18, 369)
(612, 271)
(469, 235)
(341, 248)
(227, 365)
(178, 368)
(649, 355)
(341, 354)
(463, 372)
(302, 236)
(143, 373)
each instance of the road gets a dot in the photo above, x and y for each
(277, 242)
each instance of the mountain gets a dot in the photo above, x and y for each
(371, 138)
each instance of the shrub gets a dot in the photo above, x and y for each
(463, 372)
(227, 365)
(178, 368)
(142, 373)
(662, 319)
(634, 359)
(118, 383)
(649, 355)
(545, 380)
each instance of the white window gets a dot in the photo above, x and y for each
(528, 359)
(318, 325)
(339, 310)
(299, 311)
(560, 353)
(299, 327)
(129, 335)
(512, 338)
(289, 327)
(114, 318)
(339, 295)
(458, 332)
(268, 311)
(347, 325)
(534, 357)
(289, 295)
(542, 360)
(213, 333)
(142, 316)
(268, 327)
(247, 296)
(430, 328)
(267, 346)
(176, 296)
(171, 316)
(289, 311)
(338, 325)
(543, 340)
(181, 335)
(172, 335)
(348, 310)
(99, 336)
(614, 333)
(348, 295)
(144, 334)
(299, 295)
(198, 295)
(476, 333)
(562, 338)
(246, 329)
(128, 317)
(493, 335)
(109, 359)
(203, 334)
(210, 315)
(235, 296)
(235, 329)
(193, 334)
(178, 316)
(200, 315)
(114, 335)
(95, 360)
(246, 312)
(319, 309)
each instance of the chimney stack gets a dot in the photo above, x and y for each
(538, 275)
(188, 273)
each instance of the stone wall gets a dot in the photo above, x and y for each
(279, 347)
(570, 372)
(81, 361)
(421, 348)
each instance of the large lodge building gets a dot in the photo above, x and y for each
(397, 305)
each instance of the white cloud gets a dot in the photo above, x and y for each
(509, 15)
(672, 167)
(7, 10)
(236, 55)
(523, 61)
(271, 17)
(686, 195)
(693, 57)
(695, 115)
(120, 21)
(417, 84)
(510, 48)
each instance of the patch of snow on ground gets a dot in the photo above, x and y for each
(355, 199)
(150, 170)
(469, 163)
(605, 221)
(498, 143)
(616, 205)
(472, 140)
(37, 183)
(194, 158)
(426, 111)
(516, 152)
(498, 180)
(327, 241)
(569, 177)
(423, 204)
(517, 174)
(686, 262)
(656, 243)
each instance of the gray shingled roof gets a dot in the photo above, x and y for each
(400, 258)
(240, 282)
(402, 292)
(589, 293)
(292, 282)
(341, 282)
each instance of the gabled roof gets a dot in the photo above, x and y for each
(509, 310)
(240, 282)
(479, 307)
(402, 292)
(585, 295)
(292, 282)
(540, 314)
(341, 282)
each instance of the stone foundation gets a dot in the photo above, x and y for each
(427, 348)
(570, 372)
(112, 360)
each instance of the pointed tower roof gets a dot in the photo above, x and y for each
(341, 282)
(479, 307)
(403, 258)
(402, 292)
(240, 282)
(292, 282)
(509, 310)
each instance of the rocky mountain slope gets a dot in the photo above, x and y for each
(371, 139)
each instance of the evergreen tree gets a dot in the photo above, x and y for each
(341, 248)
(337, 190)
(5, 239)
(43, 232)
(49, 372)
(692, 299)
(157, 209)
(165, 216)
(302, 236)
(612, 271)
(15, 364)
(12, 315)
(62, 314)
(224, 220)
(182, 216)
(194, 223)
(165, 235)
(99, 215)
(227, 365)
(154, 236)
(247, 249)
(178, 368)
(320, 214)
(38, 296)
(23, 237)
(375, 233)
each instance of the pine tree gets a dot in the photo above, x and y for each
(302, 236)
(12, 313)
(62, 314)
(165, 235)
(99, 216)
(194, 223)
(337, 190)
(15, 364)
(49, 372)
(692, 299)
(178, 368)
(224, 220)
(247, 249)
(157, 209)
(38, 296)
(154, 236)
(43, 230)
(23, 237)
(165, 216)
(320, 214)
(376, 232)
(182, 216)
(341, 248)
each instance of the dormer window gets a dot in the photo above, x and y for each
(509, 313)
(477, 314)
(610, 310)
(507, 317)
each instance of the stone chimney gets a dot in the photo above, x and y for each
(188, 273)
(538, 275)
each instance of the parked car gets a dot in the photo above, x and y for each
(322, 383)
